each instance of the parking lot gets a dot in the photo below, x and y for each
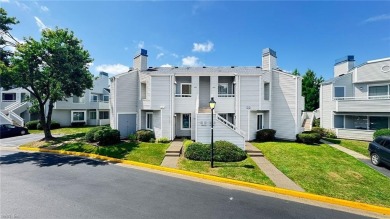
(19, 140)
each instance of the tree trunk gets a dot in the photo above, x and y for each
(44, 123)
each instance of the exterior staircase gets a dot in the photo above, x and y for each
(307, 120)
(306, 125)
(11, 113)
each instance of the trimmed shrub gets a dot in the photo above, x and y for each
(163, 140)
(187, 142)
(381, 132)
(32, 125)
(316, 122)
(107, 136)
(53, 125)
(144, 135)
(319, 130)
(308, 137)
(329, 133)
(265, 135)
(90, 135)
(152, 140)
(223, 152)
(228, 152)
(77, 124)
(132, 137)
(198, 151)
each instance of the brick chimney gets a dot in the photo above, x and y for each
(343, 65)
(269, 59)
(141, 60)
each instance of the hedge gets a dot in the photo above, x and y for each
(308, 137)
(223, 152)
(381, 132)
(144, 135)
(104, 135)
(265, 135)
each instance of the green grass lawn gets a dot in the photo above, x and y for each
(245, 170)
(355, 145)
(323, 170)
(65, 130)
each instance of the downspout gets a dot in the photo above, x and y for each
(296, 105)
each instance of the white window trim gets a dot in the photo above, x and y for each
(94, 95)
(146, 120)
(108, 98)
(78, 111)
(181, 122)
(334, 92)
(91, 116)
(262, 121)
(375, 85)
(104, 111)
(181, 88)
(227, 87)
(269, 91)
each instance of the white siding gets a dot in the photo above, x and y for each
(327, 106)
(365, 135)
(161, 93)
(249, 97)
(372, 72)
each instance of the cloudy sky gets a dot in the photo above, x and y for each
(218, 33)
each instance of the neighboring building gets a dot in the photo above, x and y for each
(174, 101)
(356, 102)
(92, 108)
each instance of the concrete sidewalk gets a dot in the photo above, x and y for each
(172, 154)
(270, 170)
(360, 157)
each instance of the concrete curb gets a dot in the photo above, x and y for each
(305, 195)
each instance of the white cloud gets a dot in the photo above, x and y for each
(191, 61)
(40, 24)
(203, 47)
(44, 8)
(166, 65)
(377, 18)
(4, 1)
(141, 44)
(159, 55)
(22, 6)
(175, 55)
(112, 69)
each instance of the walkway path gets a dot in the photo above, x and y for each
(270, 170)
(358, 156)
(172, 154)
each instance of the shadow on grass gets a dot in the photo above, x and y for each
(46, 160)
(233, 165)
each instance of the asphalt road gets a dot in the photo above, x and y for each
(39, 185)
(19, 140)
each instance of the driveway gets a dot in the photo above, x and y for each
(19, 140)
(40, 185)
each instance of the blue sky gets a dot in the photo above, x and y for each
(219, 33)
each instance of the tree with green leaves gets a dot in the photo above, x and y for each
(296, 72)
(7, 41)
(52, 69)
(311, 90)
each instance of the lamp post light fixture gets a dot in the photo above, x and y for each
(212, 106)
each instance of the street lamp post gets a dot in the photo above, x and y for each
(212, 106)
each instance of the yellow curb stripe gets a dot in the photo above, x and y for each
(305, 195)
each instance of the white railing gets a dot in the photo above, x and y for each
(382, 97)
(8, 100)
(99, 101)
(303, 117)
(6, 117)
(226, 95)
(11, 106)
(182, 95)
(16, 118)
(230, 125)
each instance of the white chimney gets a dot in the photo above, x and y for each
(343, 65)
(269, 59)
(141, 60)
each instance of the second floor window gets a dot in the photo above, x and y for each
(9, 97)
(339, 92)
(106, 98)
(223, 88)
(185, 90)
(94, 98)
(378, 91)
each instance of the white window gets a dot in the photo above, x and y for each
(78, 116)
(104, 115)
(143, 91)
(378, 92)
(106, 98)
(186, 121)
(339, 92)
(223, 88)
(266, 90)
(149, 120)
(186, 90)
(94, 98)
(92, 115)
(9, 97)
(260, 121)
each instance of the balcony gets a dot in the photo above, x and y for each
(99, 105)
(184, 103)
(363, 104)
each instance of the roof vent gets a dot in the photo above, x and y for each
(204, 67)
(258, 67)
(232, 66)
(176, 67)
